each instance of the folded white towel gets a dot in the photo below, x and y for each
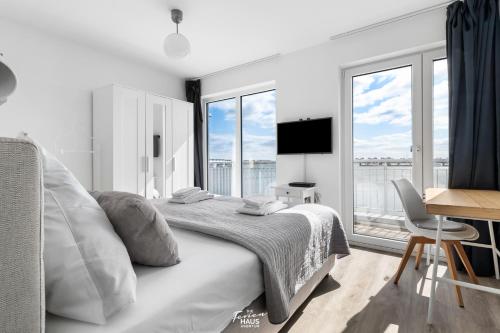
(259, 201)
(265, 210)
(186, 192)
(196, 197)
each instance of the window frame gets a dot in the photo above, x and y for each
(206, 137)
(428, 59)
(237, 94)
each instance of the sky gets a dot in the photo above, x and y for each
(258, 113)
(382, 113)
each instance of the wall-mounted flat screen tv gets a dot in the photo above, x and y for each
(311, 136)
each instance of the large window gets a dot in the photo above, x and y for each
(241, 144)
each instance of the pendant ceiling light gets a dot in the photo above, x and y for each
(7, 80)
(176, 45)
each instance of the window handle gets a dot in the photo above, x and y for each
(418, 148)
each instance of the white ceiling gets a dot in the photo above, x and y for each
(223, 33)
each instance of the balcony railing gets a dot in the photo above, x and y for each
(258, 177)
(220, 176)
(373, 191)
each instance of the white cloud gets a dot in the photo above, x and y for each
(362, 83)
(227, 106)
(395, 82)
(395, 110)
(221, 146)
(441, 68)
(255, 147)
(440, 102)
(259, 147)
(395, 145)
(391, 102)
(260, 109)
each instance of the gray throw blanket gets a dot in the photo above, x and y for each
(291, 244)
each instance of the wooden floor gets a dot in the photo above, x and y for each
(359, 296)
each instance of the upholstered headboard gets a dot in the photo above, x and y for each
(22, 303)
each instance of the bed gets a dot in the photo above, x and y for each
(165, 298)
(220, 284)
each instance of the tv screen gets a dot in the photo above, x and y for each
(305, 137)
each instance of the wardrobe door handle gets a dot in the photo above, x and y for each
(173, 164)
(147, 164)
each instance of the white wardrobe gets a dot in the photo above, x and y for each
(125, 120)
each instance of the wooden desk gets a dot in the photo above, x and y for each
(473, 204)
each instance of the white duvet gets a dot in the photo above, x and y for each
(214, 279)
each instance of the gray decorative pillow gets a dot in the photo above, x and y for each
(144, 231)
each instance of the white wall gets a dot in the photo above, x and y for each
(53, 100)
(308, 84)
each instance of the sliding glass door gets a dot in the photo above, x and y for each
(395, 126)
(241, 143)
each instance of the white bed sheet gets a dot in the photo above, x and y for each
(214, 279)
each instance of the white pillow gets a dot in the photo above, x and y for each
(88, 273)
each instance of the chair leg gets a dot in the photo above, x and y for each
(406, 256)
(448, 249)
(429, 250)
(465, 260)
(420, 251)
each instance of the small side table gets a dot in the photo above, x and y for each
(296, 195)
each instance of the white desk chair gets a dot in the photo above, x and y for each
(423, 229)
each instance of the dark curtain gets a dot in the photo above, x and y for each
(193, 95)
(473, 51)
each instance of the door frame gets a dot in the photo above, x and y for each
(413, 60)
